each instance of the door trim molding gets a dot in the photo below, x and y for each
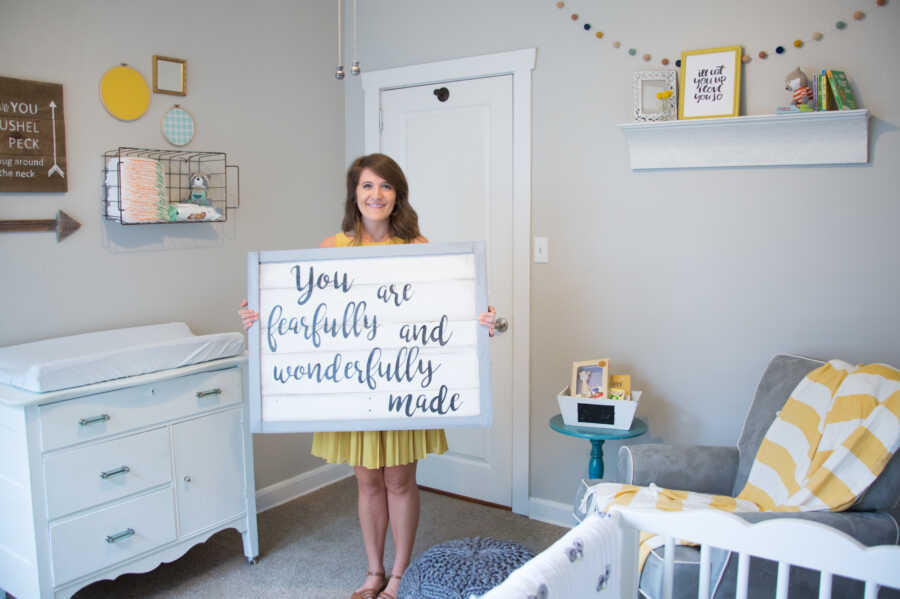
(519, 64)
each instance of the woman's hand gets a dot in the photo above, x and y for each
(248, 316)
(487, 319)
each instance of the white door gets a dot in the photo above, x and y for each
(458, 157)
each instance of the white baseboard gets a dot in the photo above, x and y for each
(297, 486)
(552, 512)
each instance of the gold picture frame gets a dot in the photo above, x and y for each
(590, 378)
(169, 75)
(710, 83)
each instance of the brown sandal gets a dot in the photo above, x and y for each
(371, 593)
(384, 594)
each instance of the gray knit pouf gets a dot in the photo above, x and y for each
(460, 568)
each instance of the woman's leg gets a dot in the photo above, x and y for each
(373, 520)
(403, 507)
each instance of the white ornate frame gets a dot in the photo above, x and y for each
(670, 104)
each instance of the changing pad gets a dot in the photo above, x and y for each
(65, 362)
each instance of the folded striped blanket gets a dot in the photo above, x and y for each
(833, 437)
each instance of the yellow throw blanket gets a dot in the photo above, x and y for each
(827, 445)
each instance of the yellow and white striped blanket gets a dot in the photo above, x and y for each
(833, 437)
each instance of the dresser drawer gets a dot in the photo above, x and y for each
(79, 478)
(103, 414)
(93, 541)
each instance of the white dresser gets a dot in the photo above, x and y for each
(119, 476)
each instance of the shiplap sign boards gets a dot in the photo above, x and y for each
(369, 338)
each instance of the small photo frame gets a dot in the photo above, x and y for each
(169, 75)
(655, 95)
(590, 378)
(710, 83)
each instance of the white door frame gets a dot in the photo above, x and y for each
(519, 64)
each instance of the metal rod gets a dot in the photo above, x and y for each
(119, 535)
(114, 472)
(354, 67)
(339, 72)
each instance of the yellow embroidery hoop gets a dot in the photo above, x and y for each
(124, 93)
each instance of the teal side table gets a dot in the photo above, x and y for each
(597, 436)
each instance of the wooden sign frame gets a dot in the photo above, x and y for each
(377, 284)
(33, 140)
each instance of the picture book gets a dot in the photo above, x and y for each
(793, 109)
(815, 90)
(621, 382)
(826, 98)
(618, 394)
(840, 89)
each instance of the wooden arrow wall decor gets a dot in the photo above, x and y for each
(63, 224)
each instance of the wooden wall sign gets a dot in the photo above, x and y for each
(369, 338)
(32, 136)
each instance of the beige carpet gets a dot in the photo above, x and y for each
(310, 548)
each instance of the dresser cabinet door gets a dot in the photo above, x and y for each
(209, 470)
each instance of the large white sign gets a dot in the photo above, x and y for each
(369, 338)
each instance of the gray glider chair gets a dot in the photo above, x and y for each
(873, 520)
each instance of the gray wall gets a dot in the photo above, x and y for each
(261, 88)
(690, 280)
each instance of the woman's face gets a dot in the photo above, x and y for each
(375, 197)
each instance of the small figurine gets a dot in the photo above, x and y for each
(798, 83)
(199, 185)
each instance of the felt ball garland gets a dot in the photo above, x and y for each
(797, 44)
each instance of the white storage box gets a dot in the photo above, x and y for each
(598, 413)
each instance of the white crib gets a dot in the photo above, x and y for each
(789, 541)
(598, 557)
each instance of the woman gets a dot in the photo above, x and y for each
(377, 212)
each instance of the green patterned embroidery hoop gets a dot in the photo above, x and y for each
(178, 126)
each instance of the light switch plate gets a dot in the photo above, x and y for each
(541, 250)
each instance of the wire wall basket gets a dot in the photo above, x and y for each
(144, 186)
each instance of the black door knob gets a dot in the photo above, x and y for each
(442, 94)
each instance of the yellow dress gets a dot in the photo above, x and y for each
(375, 449)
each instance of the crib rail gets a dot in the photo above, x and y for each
(789, 541)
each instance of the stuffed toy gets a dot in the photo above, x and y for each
(199, 185)
(798, 84)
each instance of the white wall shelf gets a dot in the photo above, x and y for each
(834, 137)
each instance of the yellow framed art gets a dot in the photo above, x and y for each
(124, 93)
(710, 83)
(590, 378)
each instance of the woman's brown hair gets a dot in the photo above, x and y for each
(403, 221)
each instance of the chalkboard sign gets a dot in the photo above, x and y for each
(369, 338)
(32, 136)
